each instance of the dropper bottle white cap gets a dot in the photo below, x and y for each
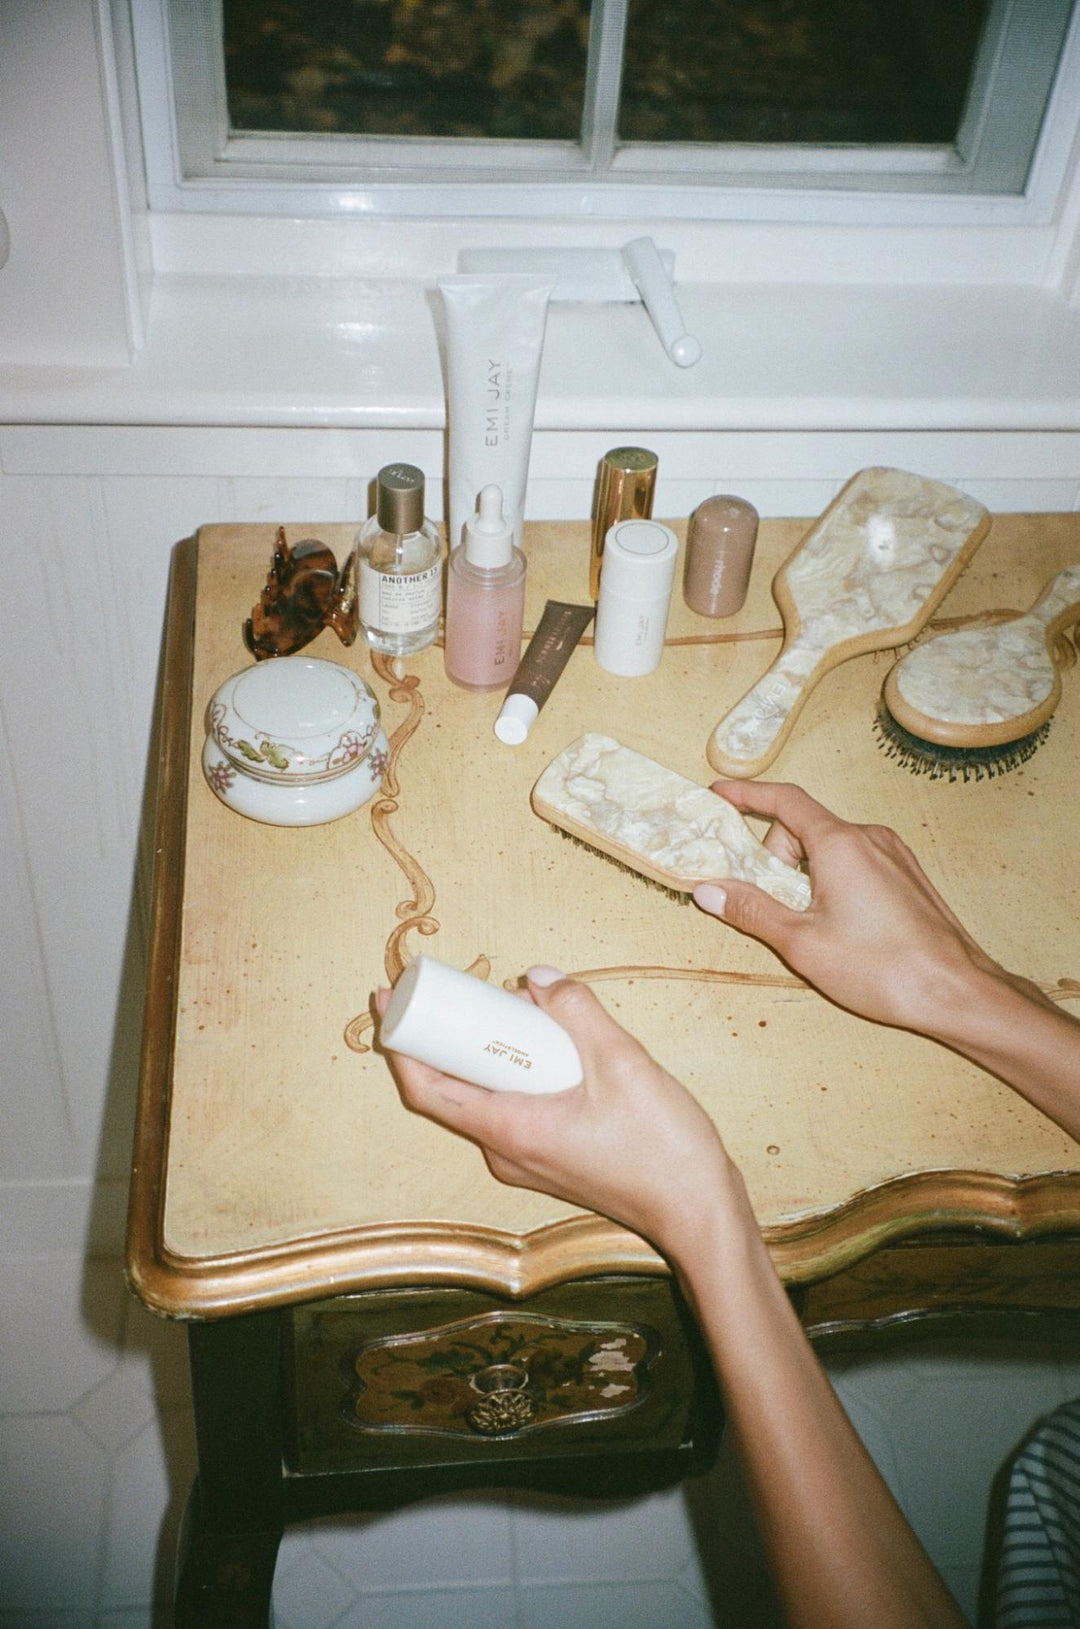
(489, 538)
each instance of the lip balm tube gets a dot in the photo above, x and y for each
(479, 1032)
(547, 653)
(635, 592)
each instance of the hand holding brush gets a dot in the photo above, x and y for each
(630, 1142)
(878, 939)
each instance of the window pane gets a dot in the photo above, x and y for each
(819, 71)
(494, 68)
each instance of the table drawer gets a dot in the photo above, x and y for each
(439, 1376)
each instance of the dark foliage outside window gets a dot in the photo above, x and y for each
(793, 71)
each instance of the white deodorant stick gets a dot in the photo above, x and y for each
(477, 1031)
(636, 575)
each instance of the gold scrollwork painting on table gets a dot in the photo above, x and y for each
(414, 913)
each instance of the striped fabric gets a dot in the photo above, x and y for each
(1038, 1584)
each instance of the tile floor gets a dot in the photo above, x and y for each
(97, 1456)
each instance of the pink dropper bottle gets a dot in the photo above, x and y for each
(485, 600)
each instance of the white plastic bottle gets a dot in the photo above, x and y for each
(479, 1032)
(635, 592)
(400, 566)
(485, 600)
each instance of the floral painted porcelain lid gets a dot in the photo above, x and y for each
(294, 719)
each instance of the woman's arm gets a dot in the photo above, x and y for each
(631, 1143)
(879, 939)
(841, 1551)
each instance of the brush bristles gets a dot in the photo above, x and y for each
(953, 763)
(650, 882)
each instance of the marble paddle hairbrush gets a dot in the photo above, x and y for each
(868, 575)
(978, 701)
(656, 822)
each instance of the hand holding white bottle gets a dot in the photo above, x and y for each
(479, 1032)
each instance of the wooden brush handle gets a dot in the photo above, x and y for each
(748, 739)
(1058, 606)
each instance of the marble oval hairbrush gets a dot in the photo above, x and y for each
(868, 575)
(977, 701)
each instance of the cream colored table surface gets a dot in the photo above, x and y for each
(276, 1159)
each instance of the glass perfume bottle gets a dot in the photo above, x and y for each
(399, 556)
(485, 599)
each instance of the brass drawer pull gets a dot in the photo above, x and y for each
(505, 1405)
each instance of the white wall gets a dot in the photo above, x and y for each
(68, 289)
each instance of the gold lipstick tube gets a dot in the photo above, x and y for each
(625, 483)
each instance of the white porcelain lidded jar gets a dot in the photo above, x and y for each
(294, 742)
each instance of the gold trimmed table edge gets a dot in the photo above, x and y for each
(451, 1254)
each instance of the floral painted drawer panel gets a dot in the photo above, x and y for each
(446, 1375)
(499, 1374)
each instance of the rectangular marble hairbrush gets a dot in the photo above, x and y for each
(866, 576)
(657, 822)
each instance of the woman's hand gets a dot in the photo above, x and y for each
(877, 938)
(629, 1142)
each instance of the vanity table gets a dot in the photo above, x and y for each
(374, 1318)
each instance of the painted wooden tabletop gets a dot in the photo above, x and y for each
(274, 1160)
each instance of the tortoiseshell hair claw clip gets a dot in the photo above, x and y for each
(305, 593)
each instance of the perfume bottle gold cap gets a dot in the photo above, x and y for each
(400, 498)
(625, 483)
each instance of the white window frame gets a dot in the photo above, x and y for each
(195, 164)
(861, 311)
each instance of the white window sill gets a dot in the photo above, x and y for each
(362, 354)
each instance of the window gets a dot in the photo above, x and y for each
(656, 106)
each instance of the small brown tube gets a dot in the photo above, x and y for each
(719, 554)
(547, 653)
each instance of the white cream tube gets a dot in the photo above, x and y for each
(477, 1031)
(494, 340)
